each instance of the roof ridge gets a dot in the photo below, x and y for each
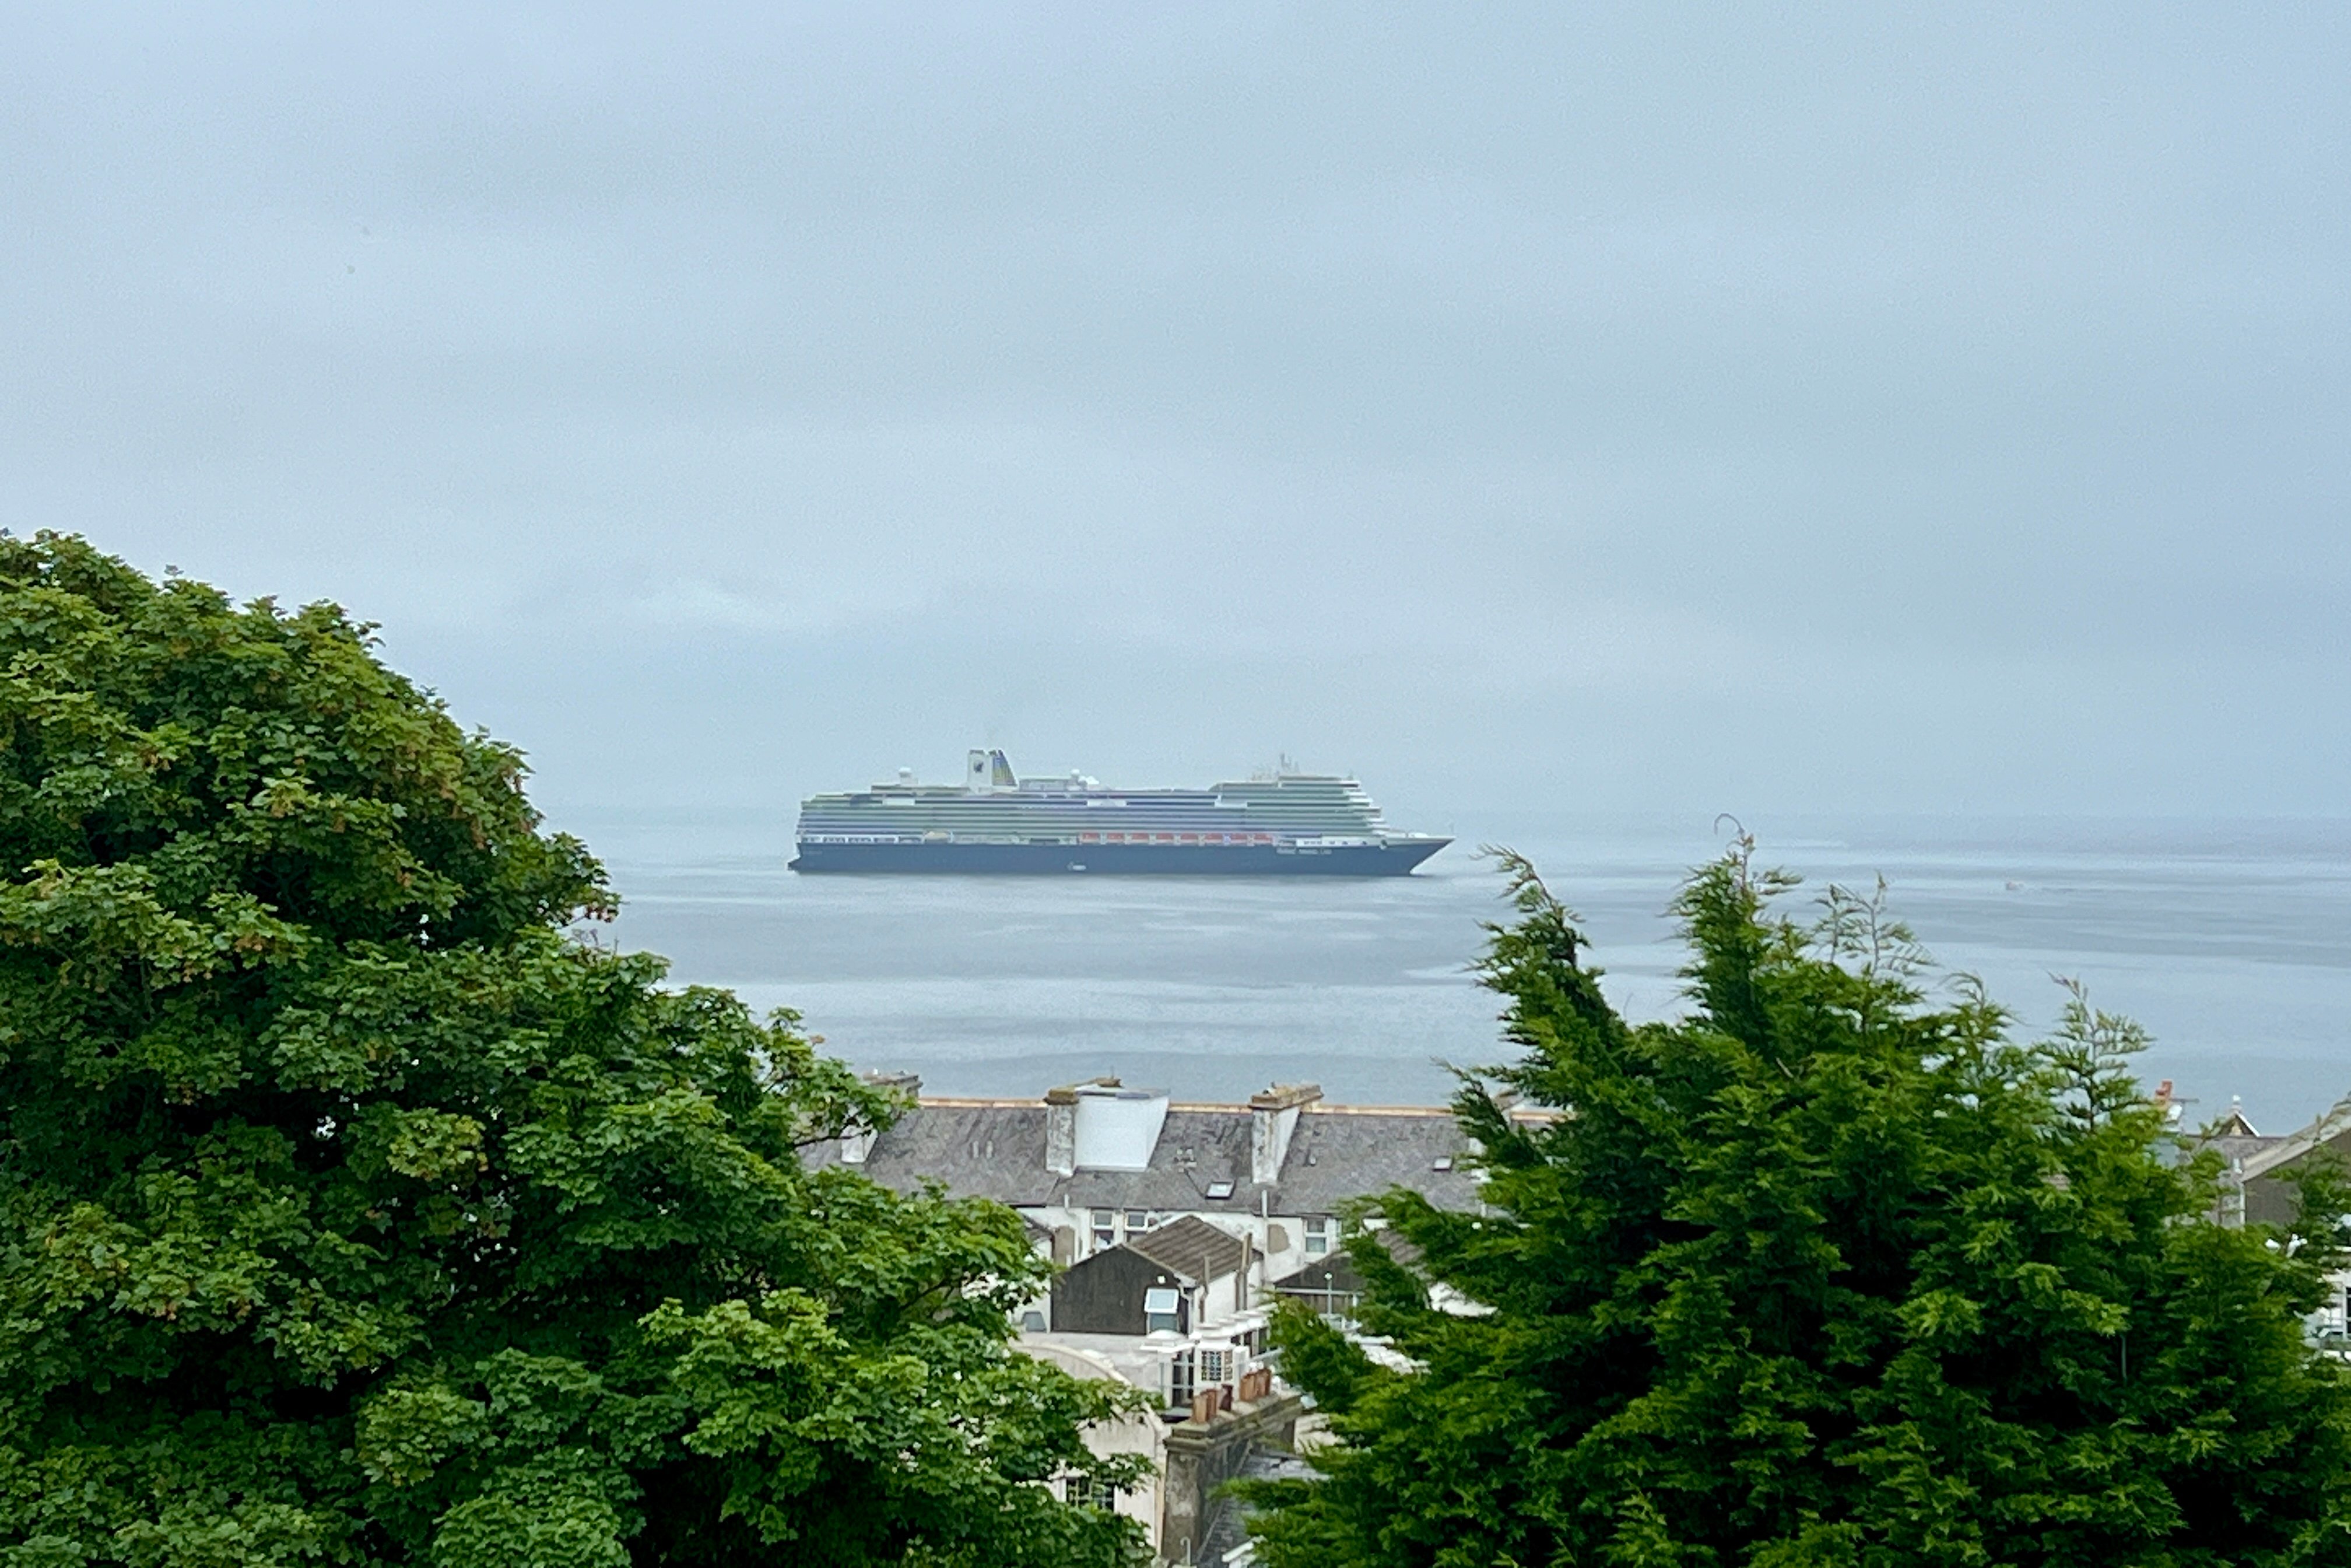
(988, 1102)
(2324, 1128)
(1189, 1246)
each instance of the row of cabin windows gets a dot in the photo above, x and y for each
(1111, 1225)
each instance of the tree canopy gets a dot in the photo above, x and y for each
(354, 1210)
(1831, 1271)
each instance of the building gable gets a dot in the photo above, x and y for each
(1106, 1294)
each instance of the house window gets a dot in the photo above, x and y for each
(1317, 1236)
(1083, 1491)
(1106, 1228)
(1215, 1365)
(1180, 1382)
(1137, 1221)
(1159, 1310)
(1033, 1322)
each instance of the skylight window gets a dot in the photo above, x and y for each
(1441, 1162)
(1220, 1189)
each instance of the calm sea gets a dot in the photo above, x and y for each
(2230, 941)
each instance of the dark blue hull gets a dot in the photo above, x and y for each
(1119, 860)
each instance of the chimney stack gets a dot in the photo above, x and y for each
(1062, 1131)
(857, 1138)
(1273, 1119)
(1063, 1115)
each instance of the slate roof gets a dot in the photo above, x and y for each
(2274, 1154)
(996, 1148)
(1193, 1247)
(1339, 1265)
(2238, 1143)
(2237, 1148)
(2269, 1200)
(1227, 1523)
(1334, 1274)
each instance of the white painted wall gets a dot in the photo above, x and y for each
(1143, 1435)
(1118, 1128)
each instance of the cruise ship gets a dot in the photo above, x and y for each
(1286, 825)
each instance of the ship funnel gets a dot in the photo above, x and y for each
(999, 772)
(974, 770)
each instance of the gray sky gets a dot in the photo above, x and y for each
(1739, 408)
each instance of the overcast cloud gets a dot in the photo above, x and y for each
(1740, 408)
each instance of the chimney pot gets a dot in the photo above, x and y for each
(1282, 1096)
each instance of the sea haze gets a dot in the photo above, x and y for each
(2230, 941)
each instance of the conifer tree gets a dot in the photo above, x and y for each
(352, 1210)
(1830, 1271)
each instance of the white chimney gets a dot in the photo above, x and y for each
(1273, 1119)
(1062, 1131)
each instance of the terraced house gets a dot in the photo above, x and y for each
(1178, 1223)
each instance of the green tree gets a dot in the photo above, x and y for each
(1823, 1273)
(352, 1210)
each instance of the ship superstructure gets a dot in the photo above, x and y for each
(1286, 823)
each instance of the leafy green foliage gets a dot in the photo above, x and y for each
(352, 1211)
(1823, 1273)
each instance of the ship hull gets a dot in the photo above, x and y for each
(1118, 860)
